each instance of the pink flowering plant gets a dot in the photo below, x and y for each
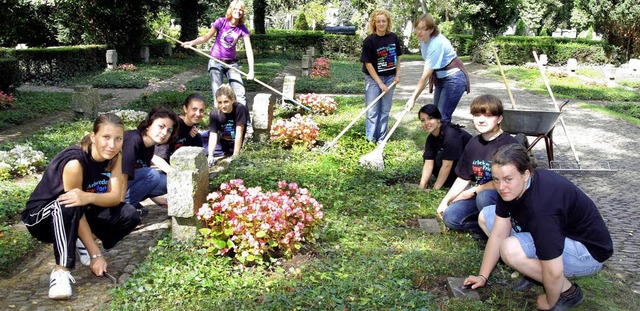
(253, 226)
(297, 130)
(127, 67)
(6, 100)
(320, 68)
(320, 104)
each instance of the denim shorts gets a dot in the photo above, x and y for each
(576, 259)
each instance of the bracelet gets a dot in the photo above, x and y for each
(486, 281)
(96, 256)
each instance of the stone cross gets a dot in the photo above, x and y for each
(187, 189)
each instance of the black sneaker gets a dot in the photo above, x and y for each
(569, 298)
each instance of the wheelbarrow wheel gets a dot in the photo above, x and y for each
(522, 139)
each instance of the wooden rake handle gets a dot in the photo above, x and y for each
(330, 145)
(236, 69)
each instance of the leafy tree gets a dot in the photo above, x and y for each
(301, 22)
(550, 14)
(618, 21)
(487, 18)
(119, 24)
(27, 22)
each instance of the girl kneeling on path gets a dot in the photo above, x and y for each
(475, 166)
(544, 226)
(143, 181)
(227, 125)
(80, 196)
(442, 149)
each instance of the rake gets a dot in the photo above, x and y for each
(238, 70)
(375, 159)
(558, 166)
(333, 142)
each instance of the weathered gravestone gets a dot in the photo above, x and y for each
(187, 189)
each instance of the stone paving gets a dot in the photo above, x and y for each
(596, 138)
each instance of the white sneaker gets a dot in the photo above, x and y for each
(59, 285)
(85, 259)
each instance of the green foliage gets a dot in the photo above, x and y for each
(463, 44)
(521, 28)
(618, 22)
(516, 50)
(29, 22)
(543, 32)
(489, 18)
(293, 44)
(629, 109)
(29, 106)
(121, 25)
(567, 87)
(301, 22)
(13, 198)
(9, 75)
(157, 69)
(54, 65)
(14, 246)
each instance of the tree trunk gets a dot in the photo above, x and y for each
(259, 13)
(189, 11)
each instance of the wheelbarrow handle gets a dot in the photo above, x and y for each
(563, 104)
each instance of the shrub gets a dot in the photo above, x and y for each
(521, 28)
(301, 22)
(252, 226)
(10, 77)
(130, 116)
(320, 104)
(320, 68)
(22, 160)
(298, 130)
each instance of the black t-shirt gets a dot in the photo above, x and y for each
(382, 52)
(225, 124)
(95, 177)
(134, 153)
(184, 139)
(475, 164)
(553, 208)
(448, 145)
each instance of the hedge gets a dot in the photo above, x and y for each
(54, 65)
(9, 75)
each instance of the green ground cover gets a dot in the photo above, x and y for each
(370, 255)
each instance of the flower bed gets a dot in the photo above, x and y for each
(297, 130)
(320, 104)
(253, 226)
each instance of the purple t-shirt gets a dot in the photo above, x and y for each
(227, 37)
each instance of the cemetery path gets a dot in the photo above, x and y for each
(119, 98)
(592, 133)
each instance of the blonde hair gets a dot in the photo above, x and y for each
(229, 14)
(429, 23)
(226, 90)
(372, 20)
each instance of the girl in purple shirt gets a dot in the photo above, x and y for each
(227, 31)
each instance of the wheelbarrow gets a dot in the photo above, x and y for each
(536, 123)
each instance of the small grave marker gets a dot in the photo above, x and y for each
(430, 226)
(454, 287)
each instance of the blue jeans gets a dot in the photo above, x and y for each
(463, 215)
(576, 259)
(378, 115)
(218, 71)
(147, 183)
(447, 94)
